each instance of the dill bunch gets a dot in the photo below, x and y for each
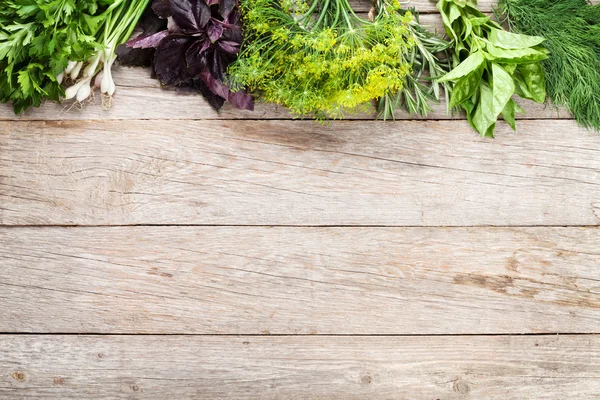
(572, 32)
(320, 58)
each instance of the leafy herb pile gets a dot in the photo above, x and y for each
(202, 39)
(490, 65)
(43, 42)
(319, 58)
(572, 32)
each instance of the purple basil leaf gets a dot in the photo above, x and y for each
(212, 2)
(215, 101)
(241, 100)
(226, 7)
(169, 59)
(234, 17)
(195, 58)
(147, 42)
(232, 33)
(162, 8)
(229, 47)
(150, 24)
(215, 86)
(216, 66)
(190, 15)
(215, 30)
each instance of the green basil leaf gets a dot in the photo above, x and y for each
(442, 8)
(533, 76)
(478, 21)
(469, 65)
(510, 68)
(484, 116)
(509, 114)
(508, 40)
(461, 3)
(503, 88)
(518, 56)
(454, 13)
(466, 87)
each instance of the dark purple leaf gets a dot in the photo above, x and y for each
(232, 33)
(146, 42)
(233, 18)
(215, 101)
(162, 8)
(195, 57)
(150, 25)
(190, 15)
(215, 86)
(215, 30)
(226, 7)
(229, 47)
(212, 2)
(170, 66)
(216, 66)
(241, 100)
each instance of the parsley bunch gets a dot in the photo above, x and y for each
(37, 40)
(319, 58)
(44, 41)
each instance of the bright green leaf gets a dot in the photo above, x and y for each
(25, 82)
(533, 76)
(502, 89)
(469, 65)
(484, 116)
(527, 55)
(509, 114)
(466, 87)
(509, 40)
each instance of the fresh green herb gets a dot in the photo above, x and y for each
(43, 42)
(572, 32)
(421, 86)
(320, 58)
(37, 40)
(490, 65)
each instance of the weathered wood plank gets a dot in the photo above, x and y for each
(411, 173)
(141, 97)
(309, 367)
(251, 280)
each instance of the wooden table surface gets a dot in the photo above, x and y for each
(159, 250)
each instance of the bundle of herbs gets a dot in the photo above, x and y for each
(202, 39)
(319, 58)
(430, 61)
(490, 65)
(572, 32)
(43, 42)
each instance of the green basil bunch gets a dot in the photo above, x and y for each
(489, 66)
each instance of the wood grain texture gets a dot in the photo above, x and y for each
(236, 280)
(269, 368)
(141, 97)
(410, 173)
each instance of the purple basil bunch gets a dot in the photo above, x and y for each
(202, 38)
